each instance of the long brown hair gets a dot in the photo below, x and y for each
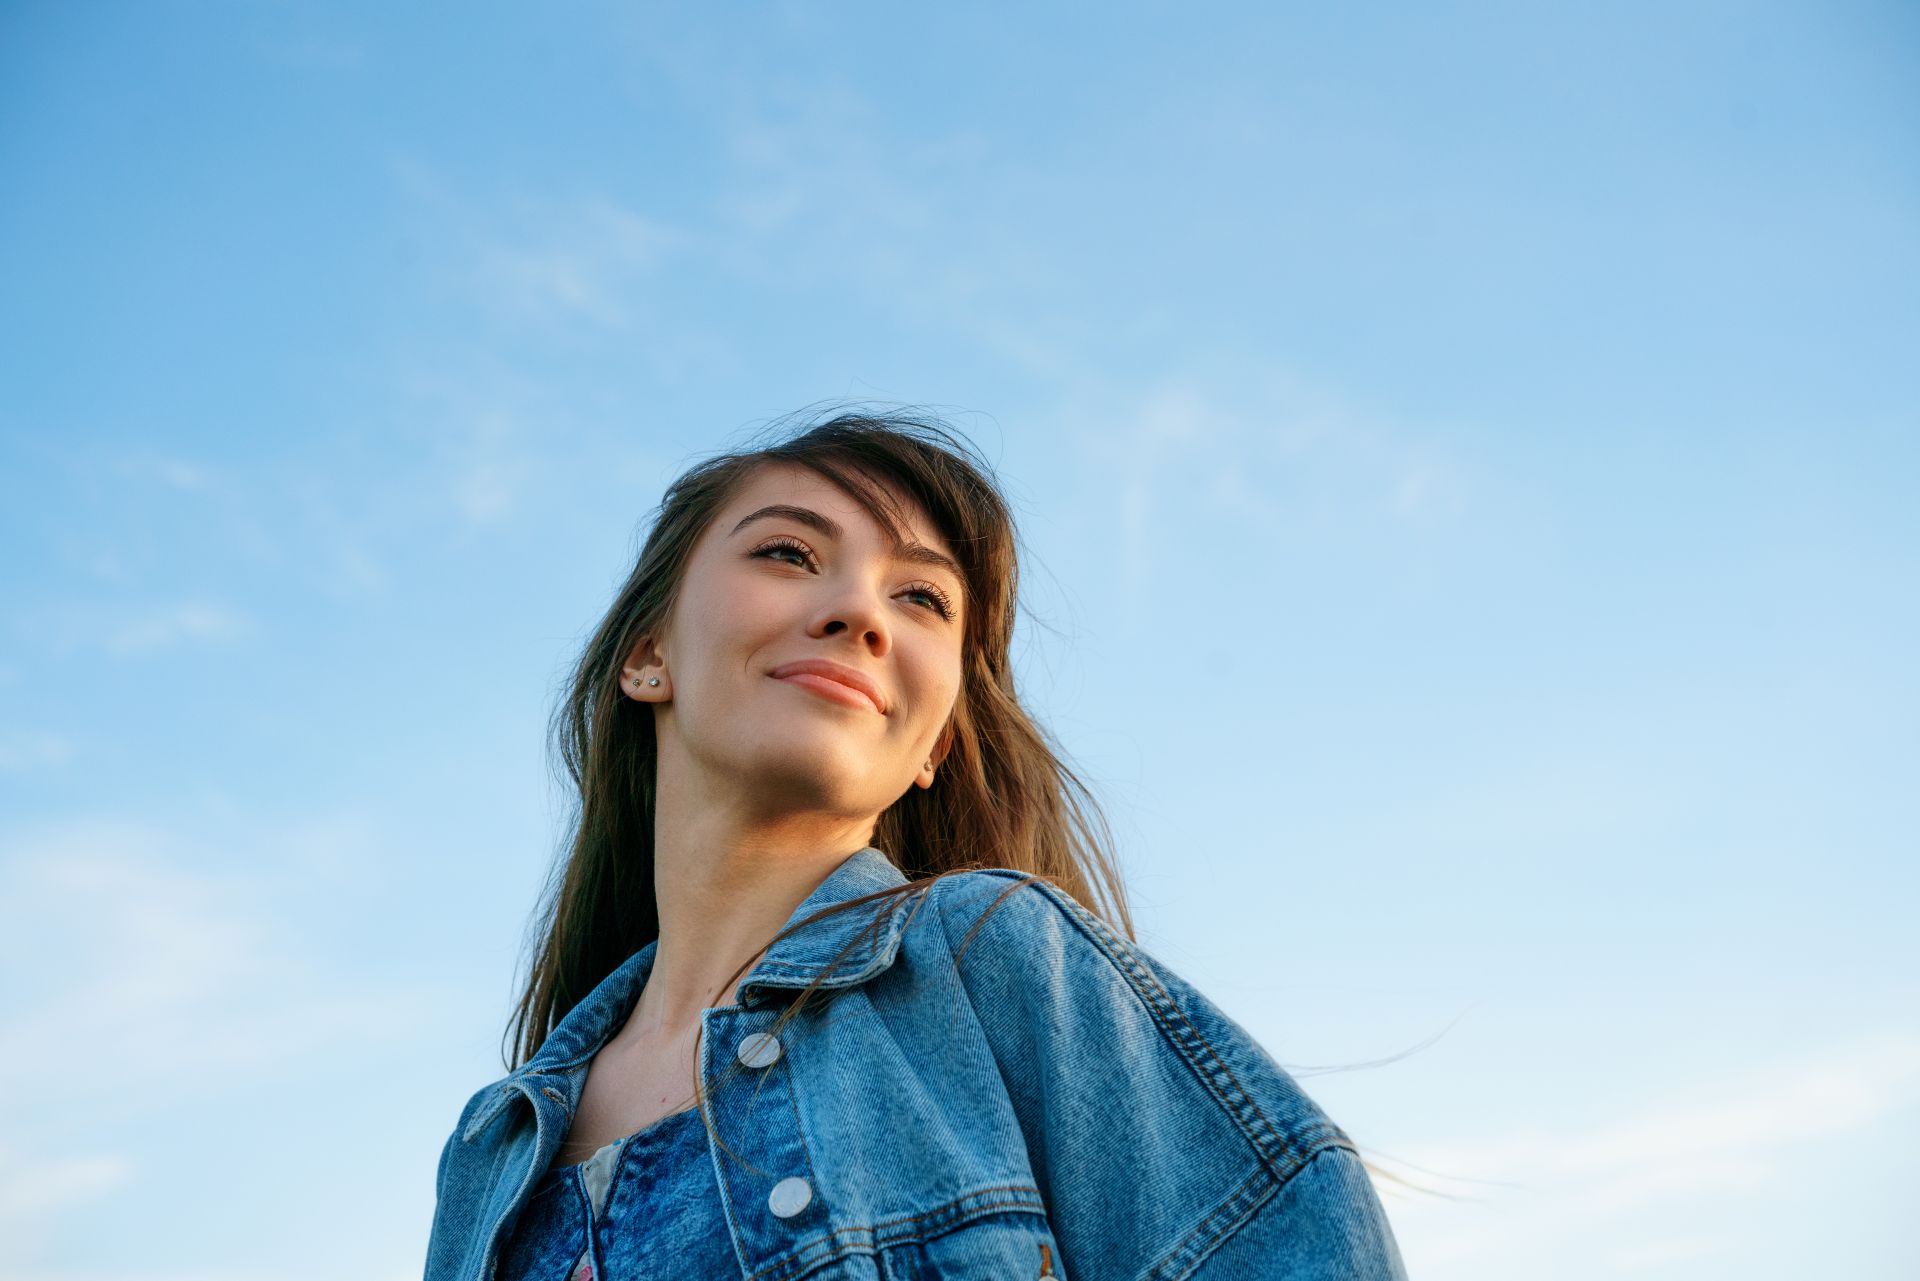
(1003, 796)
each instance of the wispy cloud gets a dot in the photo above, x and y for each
(30, 1190)
(584, 259)
(1265, 447)
(112, 625)
(179, 623)
(148, 975)
(1713, 1148)
(33, 1191)
(539, 279)
(110, 940)
(556, 262)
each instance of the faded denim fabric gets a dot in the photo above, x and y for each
(642, 1207)
(1057, 1104)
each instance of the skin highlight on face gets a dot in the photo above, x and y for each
(779, 588)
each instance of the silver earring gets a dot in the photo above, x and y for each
(653, 680)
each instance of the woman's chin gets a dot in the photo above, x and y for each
(830, 769)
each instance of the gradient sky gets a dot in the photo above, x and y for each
(1467, 456)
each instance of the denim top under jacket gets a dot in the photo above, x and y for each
(1057, 1103)
(642, 1208)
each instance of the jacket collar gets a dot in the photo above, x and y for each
(793, 962)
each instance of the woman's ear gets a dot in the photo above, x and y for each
(938, 754)
(643, 677)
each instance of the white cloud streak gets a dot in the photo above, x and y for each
(1578, 1194)
(163, 974)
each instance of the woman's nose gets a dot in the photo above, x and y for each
(861, 614)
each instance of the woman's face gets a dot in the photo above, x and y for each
(766, 589)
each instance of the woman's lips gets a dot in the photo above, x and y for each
(827, 687)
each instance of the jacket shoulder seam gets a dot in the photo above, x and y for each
(1281, 1154)
(1234, 1213)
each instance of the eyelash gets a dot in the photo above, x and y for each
(942, 606)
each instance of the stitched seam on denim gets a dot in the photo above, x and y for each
(811, 967)
(1212, 1231)
(503, 1094)
(489, 1257)
(955, 1214)
(1239, 1103)
(1279, 1158)
(710, 1113)
(799, 1130)
(1282, 1165)
(726, 1191)
(1197, 1255)
(846, 1241)
(1287, 1156)
(1234, 1095)
(567, 1065)
(857, 966)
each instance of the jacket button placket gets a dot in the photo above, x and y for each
(758, 1117)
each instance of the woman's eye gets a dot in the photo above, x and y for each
(936, 599)
(799, 552)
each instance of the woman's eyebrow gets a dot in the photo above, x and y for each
(917, 553)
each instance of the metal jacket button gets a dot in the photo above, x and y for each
(759, 1049)
(789, 1196)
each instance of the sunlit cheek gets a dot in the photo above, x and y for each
(767, 598)
(750, 610)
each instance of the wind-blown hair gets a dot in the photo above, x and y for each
(1001, 798)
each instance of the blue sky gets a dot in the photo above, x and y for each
(1468, 457)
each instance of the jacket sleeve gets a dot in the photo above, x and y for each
(1166, 1143)
(436, 1264)
(451, 1230)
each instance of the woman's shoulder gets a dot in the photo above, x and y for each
(995, 917)
(1116, 1061)
(1035, 955)
(1019, 902)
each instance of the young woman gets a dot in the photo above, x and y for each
(824, 986)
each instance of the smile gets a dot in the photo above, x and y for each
(830, 689)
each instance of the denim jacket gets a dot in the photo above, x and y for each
(1057, 1104)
